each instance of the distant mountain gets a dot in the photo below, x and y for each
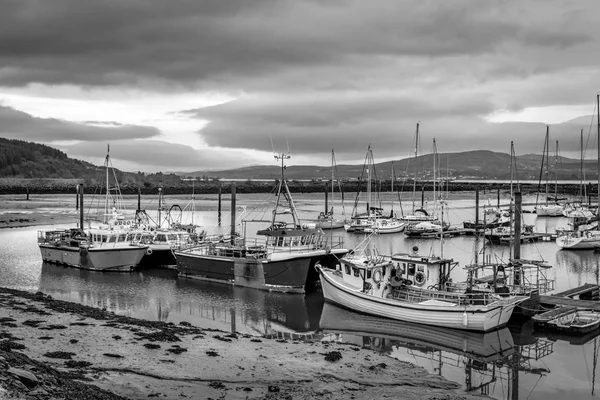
(20, 159)
(478, 164)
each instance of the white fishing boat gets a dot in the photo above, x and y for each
(96, 250)
(579, 240)
(368, 282)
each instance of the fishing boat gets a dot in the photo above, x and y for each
(280, 259)
(327, 218)
(91, 249)
(368, 282)
(577, 322)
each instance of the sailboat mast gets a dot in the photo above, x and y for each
(434, 170)
(332, 177)
(582, 187)
(598, 127)
(547, 159)
(415, 167)
(370, 164)
(106, 162)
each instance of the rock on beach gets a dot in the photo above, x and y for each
(51, 349)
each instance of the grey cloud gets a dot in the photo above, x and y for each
(154, 155)
(225, 43)
(20, 125)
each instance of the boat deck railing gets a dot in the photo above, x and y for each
(462, 299)
(227, 246)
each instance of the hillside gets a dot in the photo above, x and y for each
(20, 159)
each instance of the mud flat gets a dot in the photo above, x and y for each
(51, 349)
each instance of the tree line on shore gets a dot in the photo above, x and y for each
(66, 186)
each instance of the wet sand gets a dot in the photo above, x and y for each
(56, 349)
(16, 211)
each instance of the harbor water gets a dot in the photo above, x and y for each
(515, 362)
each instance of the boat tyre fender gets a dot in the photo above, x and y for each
(377, 276)
(420, 278)
(149, 251)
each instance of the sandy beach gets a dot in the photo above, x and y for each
(51, 349)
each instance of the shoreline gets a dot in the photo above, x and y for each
(56, 349)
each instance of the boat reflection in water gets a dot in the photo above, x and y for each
(158, 295)
(487, 363)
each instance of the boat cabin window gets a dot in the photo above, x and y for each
(356, 271)
(104, 238)
(411, 269)
(368, 274)
(401, 269)
(160, 237)
(347, 268)
(122, 237)
(421, 268)
(112, 239)
(287, 241)
(172, 237)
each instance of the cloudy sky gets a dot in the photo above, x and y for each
(185, 85)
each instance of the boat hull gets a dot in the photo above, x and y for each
(288, 275)
(123, 259)
(569, 242)
(473, 318)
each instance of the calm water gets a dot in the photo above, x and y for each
(510, 363)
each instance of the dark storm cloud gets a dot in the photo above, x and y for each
(20, 125)
(228, 43)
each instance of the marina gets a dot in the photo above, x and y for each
(159, 294)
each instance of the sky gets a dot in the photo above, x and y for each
(188, 85)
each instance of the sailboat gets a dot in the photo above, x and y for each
(418, 214)
(92, 249)
(585, 236)
(327, 219)
(548, 209)
(373, 220)
(433, 225)
(282, 259)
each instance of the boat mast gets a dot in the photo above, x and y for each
(106, 162)
(582, 187)
(434, 171)
(415, 167)
(369, 166)
(547, 160)
(332, 177)
(598, 128)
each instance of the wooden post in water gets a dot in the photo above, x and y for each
(81, 206)
(423, 197)
(77, 197)
(27, 194)
(139, 207)
(476, 205)
(219, 207)
(233, 213)
(498, 198)
(232, 320)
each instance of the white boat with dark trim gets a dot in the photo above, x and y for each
(96, 250)
(371, 283)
